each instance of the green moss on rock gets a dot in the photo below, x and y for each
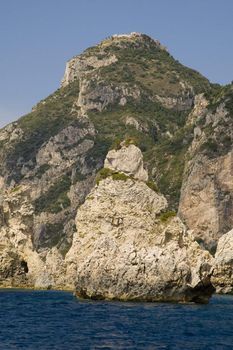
(152, 185)
(103, 174)
(120, 177)
(164, 217)
(117, 176)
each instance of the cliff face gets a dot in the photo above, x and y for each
(21, 264)
(131, 248)
(206, 202)
(52, 181)
(130, 88)
(223, 265)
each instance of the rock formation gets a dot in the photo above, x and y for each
(21, 264)
(128, 248)
(127, 159)
(128, 87)
(206, 202)
(223, 265)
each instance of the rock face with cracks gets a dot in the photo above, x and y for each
(128, 160)
(223, 265)
(128, 248)
(128, 87)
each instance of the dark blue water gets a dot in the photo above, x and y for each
(56, 320)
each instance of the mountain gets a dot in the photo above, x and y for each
(127, 88)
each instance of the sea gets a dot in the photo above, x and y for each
(44, 320)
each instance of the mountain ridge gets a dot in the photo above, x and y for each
(127, 88)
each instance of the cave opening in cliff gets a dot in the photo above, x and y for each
(24, 266)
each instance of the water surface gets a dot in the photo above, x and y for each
(44, 320)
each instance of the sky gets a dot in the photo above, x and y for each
(37, 37)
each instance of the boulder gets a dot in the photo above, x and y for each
(128, 159)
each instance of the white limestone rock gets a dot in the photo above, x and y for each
(128, 160)
(79, 65)
(223, 265)
(125, 248)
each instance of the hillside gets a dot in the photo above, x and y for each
(129, 88)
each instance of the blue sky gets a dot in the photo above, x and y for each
(37, 37)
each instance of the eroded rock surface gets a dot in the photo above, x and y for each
(206, 201)
(127, 87)
(223, 265)
(127, 159)
(21, 264)
(126, 248)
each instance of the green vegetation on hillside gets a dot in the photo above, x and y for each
(55, 199)
(218, 132)
(165, 216)
(49, 117)
(163, 136)
(104, 173)
(154, 69)
(129, 92)
(163, 153)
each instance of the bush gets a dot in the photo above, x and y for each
(55, 199)
(42, 169)
(210, 147)
(152, 186)
(120, 176)
(130, 141)
(46, 120)
(78, 177)
(103, 174)
(116, 145)
(167, 215)
(98, 152)
(54, 232)
(16, 189)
